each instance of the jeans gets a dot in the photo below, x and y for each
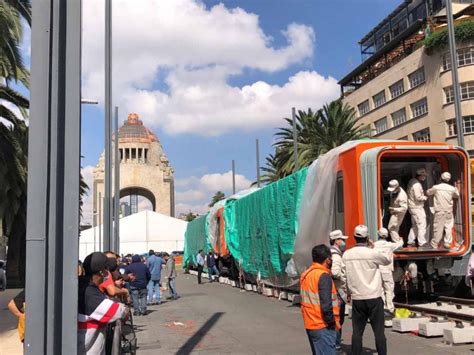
(342, 311)
(322, 341)
(172, 287)
(361, 311)
(153, 285)
(139, 299)
(199, 273)
(212, 271)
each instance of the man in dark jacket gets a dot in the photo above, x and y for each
(138, 286)
(211, 266)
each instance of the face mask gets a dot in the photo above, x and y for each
(342, 246)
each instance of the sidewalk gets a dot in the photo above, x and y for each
(10, 344)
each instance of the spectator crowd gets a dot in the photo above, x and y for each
(111, 286)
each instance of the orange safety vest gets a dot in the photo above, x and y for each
(310, 304)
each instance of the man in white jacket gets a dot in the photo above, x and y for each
(444, 194)
(364, 286)
(398, 208)
(416, 207)
(386, 271)
(338, 273)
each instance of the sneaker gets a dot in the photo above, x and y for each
(411, 245)
(136, 314)
(426, 246)
(447, 246)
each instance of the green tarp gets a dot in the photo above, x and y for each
(195, 238)
(261, 227)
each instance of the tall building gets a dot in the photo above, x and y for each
(145, 172)
(403, 88)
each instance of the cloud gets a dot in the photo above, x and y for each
(199, 190)
(87, 207)
(173, 61)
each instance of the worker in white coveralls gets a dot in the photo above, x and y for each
(416, 207)
(338, 272)
(383, 245)
(398, 208)
(444, 194)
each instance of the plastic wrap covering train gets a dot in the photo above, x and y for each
(266, 235)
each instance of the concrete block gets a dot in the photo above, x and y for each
(248, 287)
(296, 300)
(404, 325)
(459, 335)
(434, 329)
(233, 283)
(291, 296)
(267, 292)
(349, 311)
(283, 295)
(276, 293)
(254, 288)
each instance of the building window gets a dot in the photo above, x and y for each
(363, 107)
(397, 89)
(468, 125)
(379, 99)
(422, 136)
(467, 92)
(449, 94)
(465, 57)
(419, 108)
(381, 125)
(417, 77)
(399, 117)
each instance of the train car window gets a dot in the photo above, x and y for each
(339, 193)
(339, 203)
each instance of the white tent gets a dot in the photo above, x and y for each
(139, 233)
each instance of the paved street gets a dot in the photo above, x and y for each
(219, 319)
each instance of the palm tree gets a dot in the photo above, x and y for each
(13, 189)
(219, 195)
(11, 62)
(13, 136)
(316, 132)
(336, 125)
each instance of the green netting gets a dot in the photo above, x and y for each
(261, 227)
(195, 238)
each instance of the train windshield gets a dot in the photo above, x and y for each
(404, 167)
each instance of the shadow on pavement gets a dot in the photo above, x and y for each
(346, 349)
(188, 347)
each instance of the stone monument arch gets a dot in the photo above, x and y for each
(144, 170)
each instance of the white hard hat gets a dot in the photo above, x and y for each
(421, 171)
(382, 233)
(337, 234)
(393, 185)
(361, 231)
(446, 176)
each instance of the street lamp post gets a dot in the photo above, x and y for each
(108, 128)
(116, 238)
(454, 74)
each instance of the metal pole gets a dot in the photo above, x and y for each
(117, 186)
(233, 176)
(52, 235)
(257, 151)
(108, 127)
(101, 223)
(94, 215)
(454, 74)
(295, 142)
